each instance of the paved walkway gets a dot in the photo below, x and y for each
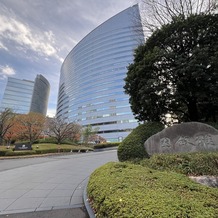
(47, 183)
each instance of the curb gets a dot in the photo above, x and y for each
(86, 202)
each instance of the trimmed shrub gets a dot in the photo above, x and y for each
(200, 163)
(54, 148)
(133, 145)
(3, 153)
(20, 153)
(128, 190)
(45, 149)
(106, 145)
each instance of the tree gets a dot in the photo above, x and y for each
(30, 126)
(156, 13)
(61, 130)
(12, 133)
(6, 122)
(175, 72)
(88, 132)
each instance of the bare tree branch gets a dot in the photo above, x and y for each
(61, 130)
(155, 13)
(6, 122)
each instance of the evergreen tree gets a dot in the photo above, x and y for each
(176, 71)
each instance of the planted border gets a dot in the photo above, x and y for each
(128, 190)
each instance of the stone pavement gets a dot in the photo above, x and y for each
(57, 213)
(48, 184)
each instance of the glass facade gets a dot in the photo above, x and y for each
(92, 77)
(40, 95)
(23, 96)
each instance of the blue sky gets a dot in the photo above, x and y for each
(37, 35)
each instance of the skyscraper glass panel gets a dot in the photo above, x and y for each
(24, 96)
(17, 96)
(92, 77)
(40, 95)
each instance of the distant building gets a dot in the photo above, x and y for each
(92, 77)
(24, 96)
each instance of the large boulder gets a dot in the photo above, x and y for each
(185, 137)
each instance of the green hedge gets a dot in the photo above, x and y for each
(3, 153)
(56, 150)
(106, 145)
(20, 153)
(200, 163)
(45, 149)
(128, 190)
(133, 145)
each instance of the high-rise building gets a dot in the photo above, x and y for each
(24, 96)
(92, 77)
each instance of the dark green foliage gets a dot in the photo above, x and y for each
(106, 145)
(50, 150)
(61, 150)
(128, 190)
(19, 153)
(133, 145)
(175, 72)
(201, 163)
(3, 153)
(45, 149)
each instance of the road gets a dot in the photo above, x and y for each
(47, 183)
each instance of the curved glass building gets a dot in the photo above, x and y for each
(92, 77)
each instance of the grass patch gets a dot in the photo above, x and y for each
(129, 190)
(199, 163)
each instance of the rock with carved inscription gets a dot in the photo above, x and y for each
(185, 137)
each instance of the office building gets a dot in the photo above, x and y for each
(92, 77)
(24, 96)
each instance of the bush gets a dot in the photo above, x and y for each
(201, 163)
(106, 145)
(54, 148)
(3, 153)
(128, 190)
(44, 149)
(20, 153)
(133, 145)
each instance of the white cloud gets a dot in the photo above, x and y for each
(12, 29)
(6, 71)
(3, 46)
(51, 112)
(61, 60)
